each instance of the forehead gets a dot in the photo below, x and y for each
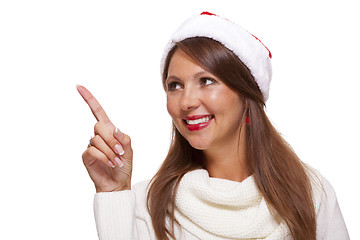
(181, 63)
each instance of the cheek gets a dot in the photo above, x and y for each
(171, 105)
(224, 100)
(174, 111)
(217, 99)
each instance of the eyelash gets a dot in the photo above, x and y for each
(172, 86)
(204, 79)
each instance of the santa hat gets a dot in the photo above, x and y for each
(248, 48)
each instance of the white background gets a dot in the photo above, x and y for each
(113, 48)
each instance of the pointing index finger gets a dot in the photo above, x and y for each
(94, 105)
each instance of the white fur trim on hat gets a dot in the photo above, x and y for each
(248, 48)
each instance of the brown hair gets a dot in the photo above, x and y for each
(279, 174)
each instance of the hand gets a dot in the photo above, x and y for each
(108, 158)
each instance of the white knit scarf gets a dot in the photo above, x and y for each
(214, 209)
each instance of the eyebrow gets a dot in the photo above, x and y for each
(172, 77)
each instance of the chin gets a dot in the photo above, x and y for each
(199, 142)
(199, 145)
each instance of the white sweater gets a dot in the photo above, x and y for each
(212, 209)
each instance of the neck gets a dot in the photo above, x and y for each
(228, 161)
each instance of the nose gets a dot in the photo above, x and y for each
(190, 99)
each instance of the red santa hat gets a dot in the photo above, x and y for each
(248, 48)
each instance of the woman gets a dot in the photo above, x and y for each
(228, 173)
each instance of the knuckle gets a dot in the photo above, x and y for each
(96, 139)
(87, 153)
(92, 153)
(112, 141)
(98, 109)
(127, 140)
(97, 127)
(84, 154)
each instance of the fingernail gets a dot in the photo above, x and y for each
(119, 162)
(118, 133)
(119, 150)
(111, 164)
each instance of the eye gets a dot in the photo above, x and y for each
(173, 86)
(207, 81)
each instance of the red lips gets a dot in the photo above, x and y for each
(198, 126)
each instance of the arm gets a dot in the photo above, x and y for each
(115, 214)
(108, 160)
(330, 222)
(123, 215)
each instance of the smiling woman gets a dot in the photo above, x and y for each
(228, 174)
(206, 112)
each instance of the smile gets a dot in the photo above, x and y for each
(199, 122)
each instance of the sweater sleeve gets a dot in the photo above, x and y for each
(330, 222)
(119, 216)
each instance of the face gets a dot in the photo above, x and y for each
(204, 110)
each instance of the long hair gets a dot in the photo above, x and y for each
(279, 174)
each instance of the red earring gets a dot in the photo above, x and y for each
(247, 120)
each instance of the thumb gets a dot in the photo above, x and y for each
(125, 141)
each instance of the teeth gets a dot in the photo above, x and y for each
(197, 121)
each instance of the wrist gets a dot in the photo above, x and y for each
(120, 187)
